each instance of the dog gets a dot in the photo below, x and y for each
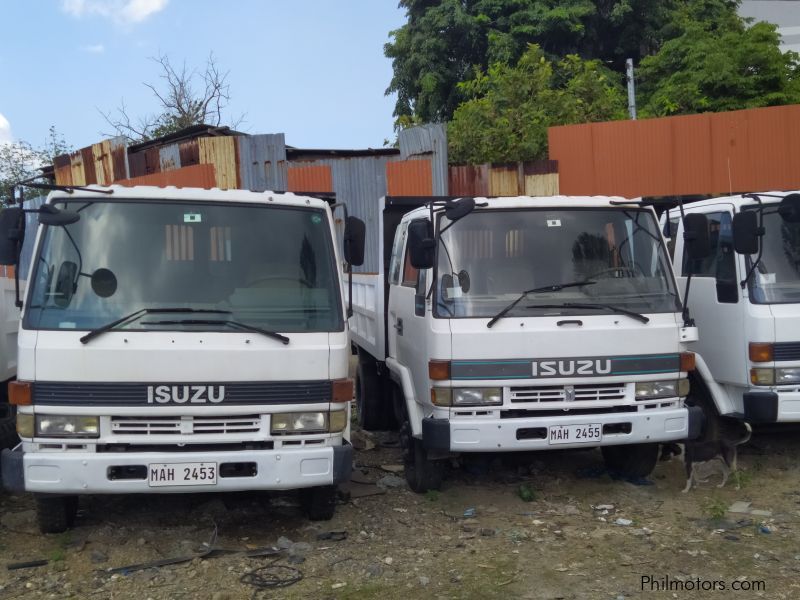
(705, 458)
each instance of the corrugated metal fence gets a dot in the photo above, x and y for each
(710, 153)
(536, 178)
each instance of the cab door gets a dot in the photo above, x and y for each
(715, 297)
(408, 326)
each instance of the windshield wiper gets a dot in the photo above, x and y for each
(611, 307)
(547, 288)
(144, 311)
(234, 324)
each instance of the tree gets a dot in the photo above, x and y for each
(510, 108)
(21, 160)
(186, 96)
(717, 64)
(444, 40)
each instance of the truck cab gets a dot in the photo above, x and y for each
(177, 341)
(521, 324)
(745, 299)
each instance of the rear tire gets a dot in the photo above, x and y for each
(422, 473)
(632, 460)
(373, 412)
(319, 503)
(56, 514)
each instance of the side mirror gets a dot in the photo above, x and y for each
(11, 234)
(50, 215)
(695, 236)
(746, 232)
(355, 234)
(66, 283)
(458, 209)
(421, 245)
(789, 208)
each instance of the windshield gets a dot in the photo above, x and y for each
(777, 279)
(489, 257)
(270, 267)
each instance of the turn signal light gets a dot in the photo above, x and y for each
(761, 352)
(687, 361)
(342, 390)
(439, 370)
(19, 393)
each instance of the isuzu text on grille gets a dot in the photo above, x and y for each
(571, 367)
(180, 394)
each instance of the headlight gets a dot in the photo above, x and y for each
(780, 376)
(24, 425)
(646, 390)
(67, 426)
(467, 396)
(338, 421)
(300, 422)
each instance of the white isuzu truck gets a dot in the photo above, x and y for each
(745, 299)
(180, 340)
(519, 324)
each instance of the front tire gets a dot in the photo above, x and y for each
(632, 460)
(319, 503)
(56, 514)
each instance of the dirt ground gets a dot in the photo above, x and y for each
(477, 538)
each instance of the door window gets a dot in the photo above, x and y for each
(720, 262)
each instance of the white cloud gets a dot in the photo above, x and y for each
(5, 131)
(94, 48)
(121, 11)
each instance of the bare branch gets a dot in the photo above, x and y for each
(180, 105)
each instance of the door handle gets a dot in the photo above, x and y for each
(399, 326)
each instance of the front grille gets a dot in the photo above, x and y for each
(787, 351)
(560, 393)
(185, 425)
(137, 394)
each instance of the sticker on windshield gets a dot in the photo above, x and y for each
(316, 219)
(554, 222)
(192, 218)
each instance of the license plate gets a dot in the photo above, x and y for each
(162, 474)
(575, 434)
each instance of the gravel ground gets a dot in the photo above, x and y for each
(548, 525)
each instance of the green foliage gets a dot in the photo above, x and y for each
(717, 62)
(432, 495)
(21, 160)
(526, 493)
(509, 109)
(715, 508)
(443, 41)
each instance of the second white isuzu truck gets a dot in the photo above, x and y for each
(518, 324)
(745, 299)
(180, 340)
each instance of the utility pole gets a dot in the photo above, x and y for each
(631, 88)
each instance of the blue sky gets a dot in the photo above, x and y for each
(312, 69)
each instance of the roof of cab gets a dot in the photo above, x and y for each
(549, 202)
(146, 192)
(741, 199)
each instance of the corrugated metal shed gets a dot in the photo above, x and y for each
(504, 180)
(409, 178)
(711, 153)
(221, 152)
(262, 162)
(317, 178)
(169, 157)
(469, 180)
(199, 176)
(428, 140)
